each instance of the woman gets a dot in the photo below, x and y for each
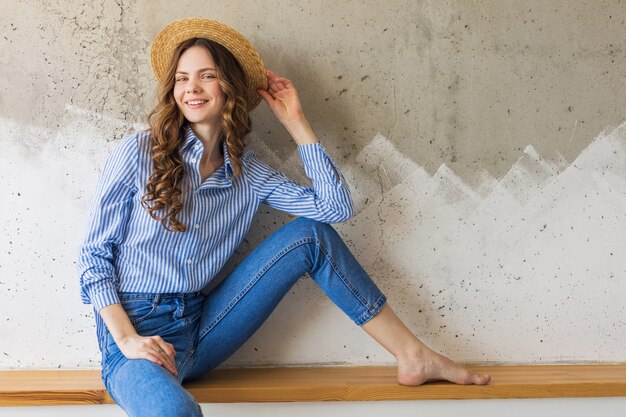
(174, 202)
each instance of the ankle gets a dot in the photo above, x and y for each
(413, 353)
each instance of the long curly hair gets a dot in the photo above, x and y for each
(166, 124)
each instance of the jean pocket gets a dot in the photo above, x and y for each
(139, 309)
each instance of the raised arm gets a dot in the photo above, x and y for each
(329, 199)
(282, 98)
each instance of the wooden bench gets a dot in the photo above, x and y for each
(64, 387)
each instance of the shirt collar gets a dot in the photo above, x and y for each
(190, 139)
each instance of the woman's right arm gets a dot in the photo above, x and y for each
(108, 219)
(133, 346)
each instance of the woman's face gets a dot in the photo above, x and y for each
(196, 88)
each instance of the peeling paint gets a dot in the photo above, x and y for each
(522, 268)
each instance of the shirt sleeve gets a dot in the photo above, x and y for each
(107, 222)
(328, 200)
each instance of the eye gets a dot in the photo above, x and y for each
(180, 78)
(208, 76)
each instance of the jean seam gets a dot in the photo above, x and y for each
(251, 284)
(106, 342)
(345, 279)
(110, 388)
(146, 316)
(189, 335)
(371, 309)
(375, 309)
(191, 351)
(190, 354)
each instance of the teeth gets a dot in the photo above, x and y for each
(196, 102)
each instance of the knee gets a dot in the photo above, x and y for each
(313, 228)
(143, 388)
(181, 404)
(177, 403)
(171, 403)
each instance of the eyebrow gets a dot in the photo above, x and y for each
(200, 70)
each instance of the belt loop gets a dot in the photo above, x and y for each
(156, 300)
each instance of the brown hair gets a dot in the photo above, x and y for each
(166, 125)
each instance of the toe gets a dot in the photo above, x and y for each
(481, 379)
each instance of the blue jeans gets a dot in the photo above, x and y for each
(206, 329)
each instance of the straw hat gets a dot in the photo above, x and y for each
(172, 35)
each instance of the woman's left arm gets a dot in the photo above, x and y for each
(329, 199)
(283, 99)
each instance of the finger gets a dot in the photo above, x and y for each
(165, 361)
(266, 96)
(171, 352)
(276, 79)
(158, 359)
(170, 364)
(277, 83)
(169, 348)
(169, 367)
(283, 81)
(282, 85)
(153, 358)
(277, 86)
(279, 80)
(161, 347)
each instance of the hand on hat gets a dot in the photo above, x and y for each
(282, 98)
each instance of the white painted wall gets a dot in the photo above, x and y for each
(525, 268)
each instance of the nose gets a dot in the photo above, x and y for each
(192, 86)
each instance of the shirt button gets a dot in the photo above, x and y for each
(197, 226)
(197, 146)
(189, 261)
(193, 161)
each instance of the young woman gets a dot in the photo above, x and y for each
(174, 202)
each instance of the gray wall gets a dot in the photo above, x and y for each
(483, 142)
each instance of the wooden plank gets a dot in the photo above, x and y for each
(379, 383)
(58, 387)
(66, 387)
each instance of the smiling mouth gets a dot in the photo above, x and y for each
(196, 103)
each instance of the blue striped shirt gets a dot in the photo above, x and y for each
(126, 250)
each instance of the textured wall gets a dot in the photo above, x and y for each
(484, 144)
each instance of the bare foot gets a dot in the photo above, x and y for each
(430, 366)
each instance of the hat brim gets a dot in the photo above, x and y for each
(168, 39)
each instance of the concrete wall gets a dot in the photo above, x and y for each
(484, 143)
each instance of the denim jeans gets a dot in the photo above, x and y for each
(206, 329)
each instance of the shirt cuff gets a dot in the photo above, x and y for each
(318, 165)
(103, 296)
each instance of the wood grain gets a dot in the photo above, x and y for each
(327, 384)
